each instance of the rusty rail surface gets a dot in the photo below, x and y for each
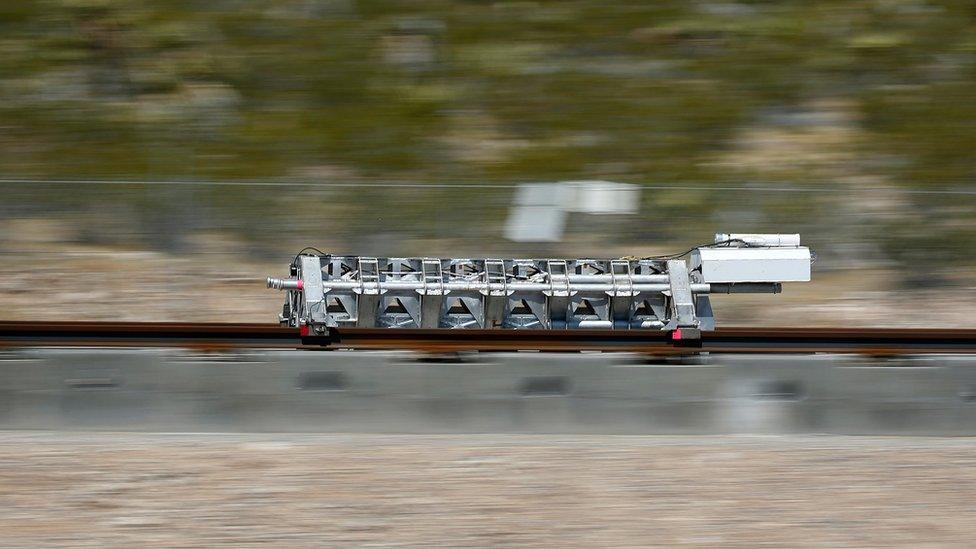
(146, 334)
(726, 340)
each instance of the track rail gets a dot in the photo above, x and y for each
(726, 340)
(146, 334)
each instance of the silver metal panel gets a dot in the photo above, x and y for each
(728, 264)
(314, 291)
(682, 301)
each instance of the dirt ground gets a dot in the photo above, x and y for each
(176, 490)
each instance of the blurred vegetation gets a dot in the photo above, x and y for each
(847, 95)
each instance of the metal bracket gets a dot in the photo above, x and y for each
(682, 300)
(314, 291)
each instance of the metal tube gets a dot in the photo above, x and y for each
(560, 279)
(515, 286)
(595, 324)
(747, 288)
(753, 239)
(284, 283)
(619, 277)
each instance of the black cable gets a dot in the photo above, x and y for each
(305, 249)
(712, 245)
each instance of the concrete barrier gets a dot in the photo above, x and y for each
(347, 391)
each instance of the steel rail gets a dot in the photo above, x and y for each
(146, 334)
(725, 340)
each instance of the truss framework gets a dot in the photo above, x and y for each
(329, 291)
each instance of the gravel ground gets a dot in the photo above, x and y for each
(176, 490)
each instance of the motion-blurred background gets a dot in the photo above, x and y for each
(159, 158)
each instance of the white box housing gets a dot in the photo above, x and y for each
(752, 264)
